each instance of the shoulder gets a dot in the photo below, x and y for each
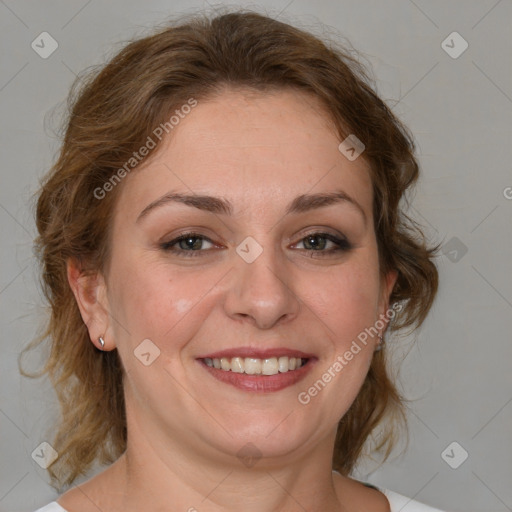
(51, 507)
(401, 503)
(355, 494)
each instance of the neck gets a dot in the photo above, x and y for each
(183, 478)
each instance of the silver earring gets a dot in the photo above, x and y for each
(101, 341)
(381, 343)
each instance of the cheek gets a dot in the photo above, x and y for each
(151, 302)
(347, 301)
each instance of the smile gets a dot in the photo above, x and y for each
(261, 371)
(255, 366)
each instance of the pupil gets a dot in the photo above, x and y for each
(313, 241)
(192, 242)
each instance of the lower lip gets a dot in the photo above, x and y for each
(260, 383)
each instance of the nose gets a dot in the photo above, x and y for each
(260, 292)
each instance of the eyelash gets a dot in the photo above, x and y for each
(343, 244)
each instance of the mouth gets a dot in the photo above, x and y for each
(260, 371)
(256, 366)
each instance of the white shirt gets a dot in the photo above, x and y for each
(397, 503)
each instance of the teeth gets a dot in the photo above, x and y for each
(237, 365)
(254, 366)
(270, 366)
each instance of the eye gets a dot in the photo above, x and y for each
(324, 243)
(188, 244)
(319, 244)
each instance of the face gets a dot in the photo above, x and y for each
(254, 270)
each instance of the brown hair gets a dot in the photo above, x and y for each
(111, 114)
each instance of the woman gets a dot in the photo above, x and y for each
(223, 250)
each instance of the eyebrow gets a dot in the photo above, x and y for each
(217, 205)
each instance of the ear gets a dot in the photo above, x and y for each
(90, 289)
(387, 285)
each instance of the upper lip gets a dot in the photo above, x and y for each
(257, 353)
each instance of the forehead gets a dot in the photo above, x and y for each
(259, 148)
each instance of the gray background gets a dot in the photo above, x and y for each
(456, 369)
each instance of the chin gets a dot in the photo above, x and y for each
(269, 435)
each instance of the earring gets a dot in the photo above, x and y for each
(381, 343)
(101, 341)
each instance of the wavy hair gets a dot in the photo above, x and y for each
(111, 112)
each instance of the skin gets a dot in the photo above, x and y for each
(185, 428)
